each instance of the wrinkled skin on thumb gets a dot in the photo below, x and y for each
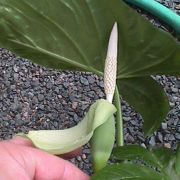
(18, 158)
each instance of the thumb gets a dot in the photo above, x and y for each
(51, 167)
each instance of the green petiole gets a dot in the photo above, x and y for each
(119, 119)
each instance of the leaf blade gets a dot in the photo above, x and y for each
(146, 96)
(127, 171)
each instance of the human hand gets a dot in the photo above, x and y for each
(20, 160)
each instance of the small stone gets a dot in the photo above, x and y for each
(7, 83)
(13, 87)
(164, 126)
(143, 145)
(35, 83)
(79, 158)
(126, 118)
(65, 84)
(49, 85)
(177, 7)
(57, 90)
(74, 105)
(152, 141)
(134, 123)
(129, 138)
(59, 96)
(160, 137)
(84, 81)
(25, 114)
(30, 94)
(15, 68)
(101, 94)
(101, 84)
(167, 145)
(177, 136)
(171, 138)
(16, 76)
(40, 97)
(91, 80)
(16, 107)
(84, 156)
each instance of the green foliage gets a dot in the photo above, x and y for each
(177, 163)
(146, 95)
(127, 171)
(135, 162)
(73, 35)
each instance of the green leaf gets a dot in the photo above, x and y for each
(127, 171)
(157, 158)
(70, 34)
(73, 35)
(162, 158)
(177, 163)
(163, 155)
(64, 141)
(148, 98)
(167, 159)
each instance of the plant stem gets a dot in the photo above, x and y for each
(119, 119)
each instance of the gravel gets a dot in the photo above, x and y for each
(33, 97)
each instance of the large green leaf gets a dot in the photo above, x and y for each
(161, 158)
(127, 171)
(158, 158)
(70, 34)
(148, 98)
(73, 35)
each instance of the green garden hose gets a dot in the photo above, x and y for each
(160, 11)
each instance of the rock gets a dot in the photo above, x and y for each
(56, 90)
(40, 97)
(152, 141)
(91, 79)
(49, 85)
(74, 105)
(177, 7)
(35, 83)
(177, 136)
(160, 137)
(167, 145)
(84, 81)
(164, 125)
(171, 137)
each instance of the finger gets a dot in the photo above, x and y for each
(52, 167)
(26, 142)
(21, 141)
(72, 154)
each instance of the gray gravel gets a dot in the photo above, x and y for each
(33, 97)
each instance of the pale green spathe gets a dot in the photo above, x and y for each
(64, 141)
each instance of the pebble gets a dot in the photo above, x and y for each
(40, 97)
(84, 81)
(177, 7)
(152, 141)
(167, 145)
(164, 125)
